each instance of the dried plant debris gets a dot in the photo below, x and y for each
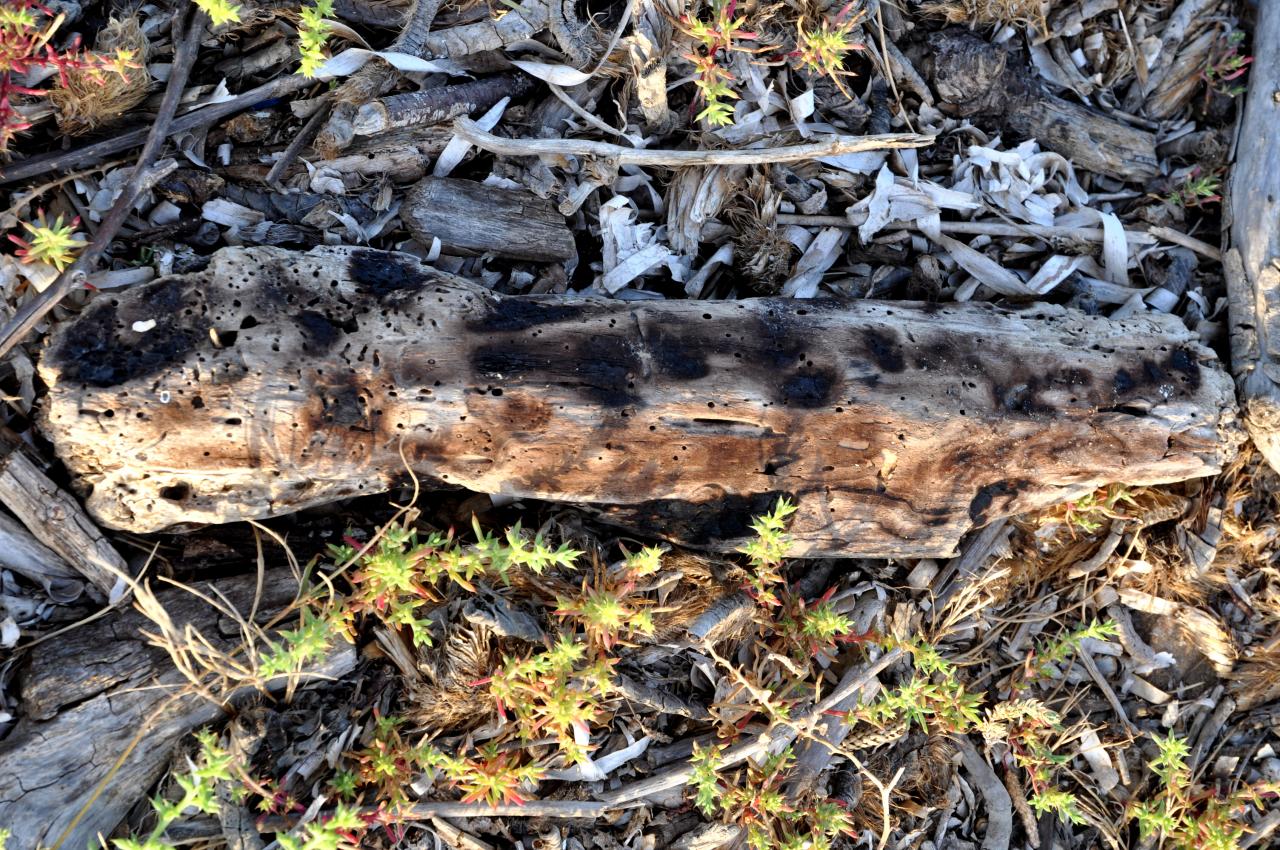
(446, 668)
(1023, 13)
(88, 100)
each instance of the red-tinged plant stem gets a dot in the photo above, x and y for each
(187, 45)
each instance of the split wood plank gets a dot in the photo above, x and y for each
(476, 218)
(1252, 262)
(273, 381)
(57, 521)
(87, 696)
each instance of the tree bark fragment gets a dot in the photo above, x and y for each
(1252, 263)
(475, 218)
(975, 78)
(274, 381)
(85, 698)
(57, 521)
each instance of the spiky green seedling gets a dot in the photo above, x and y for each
(52, 243)
(822, 49)
(313, 32)
(220, 11)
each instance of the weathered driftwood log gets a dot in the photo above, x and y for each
(976, 78)
(1253, 234)
(475, 218)
(272, 381)
(74, 764)
(21, 552)
(57, 521)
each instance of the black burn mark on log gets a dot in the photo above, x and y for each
(510, 362)
(318, 333)
(987, 495)
(518, 314)
(699, 523)
(1184, 362)
(102, 350)
(884, 350)
(934, 357)
(809, 388)
(599, 368)
(1181, 366)
(380, 273)
(776, 343)
(605, 368)
(1019, 390)
(1021, 398)
(342, 405)
(675, 357)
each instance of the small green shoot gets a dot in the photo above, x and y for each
(1186, 817)
(1043, 662)
(715, 39)
(705, 780)
(557, 691)
(494, 777)
(52, 243)
(754, 800)
(300, 647)
(211, 765)
(1226, 66)
(767, 550)
(220, 11)
(1197, 190)
(313, 32)
(822, 49)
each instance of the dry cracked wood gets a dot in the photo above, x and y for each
(274, 380)
(1253, 261)
(975, 78)
(88, 695)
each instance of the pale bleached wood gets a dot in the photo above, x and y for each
(1253, 261)
(897, 426)
(57, 521)
(31, 559)
(619, 155)
(474, 218)
(88, 695)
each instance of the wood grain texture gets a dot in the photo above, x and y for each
(21, 552)
(86, 697)
(57, 521)
(975, 78)
(897, 426)
(468, 216)
(1253, 261)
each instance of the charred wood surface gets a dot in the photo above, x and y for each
(273, 381)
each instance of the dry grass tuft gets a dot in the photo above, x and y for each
(926, 775)
(696, 591)
(94, 99)
(1257, 681)
(760, 253)
(1025, 13)
(447, 697)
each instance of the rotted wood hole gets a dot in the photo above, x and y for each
(273, 381)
